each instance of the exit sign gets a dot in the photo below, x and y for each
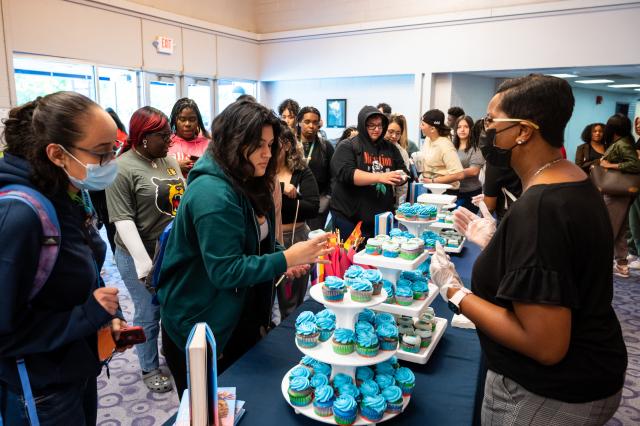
(164, 44)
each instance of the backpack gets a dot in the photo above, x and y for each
(49, 250)
(154, 276)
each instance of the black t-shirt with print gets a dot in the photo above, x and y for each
(555, 246)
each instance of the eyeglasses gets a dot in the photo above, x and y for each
(374, 126)
(105, 157)
(166, 136)
(487, 120)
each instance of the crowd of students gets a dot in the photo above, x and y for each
(242, 200)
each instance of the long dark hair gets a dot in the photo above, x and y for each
(473, 140)
(55, 118)
(586, 132)
(116, 119)
(236, 134)
(293, 159)
(144, 121)
(182, 104)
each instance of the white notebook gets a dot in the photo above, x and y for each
(202, 376)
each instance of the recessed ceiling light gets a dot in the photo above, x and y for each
(596, 81)
(563, 75)
(637, 90)
(624, 86)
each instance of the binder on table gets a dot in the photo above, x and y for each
(202, 377)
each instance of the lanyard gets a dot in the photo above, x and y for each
(308, 157)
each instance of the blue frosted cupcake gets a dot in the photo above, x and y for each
(388, 287)
(300, 371)
(383, 317)
(372, 408)
(369, 388)
(367, 315)
(388, 336)
(326, 313)
(361, 290)
(354, 271)
(373, 247)
(308, 363)
(333, 289)
(367, 343)
(322, 368)
(362, 374)
(319, 380)
(342, 379)
(391, 249)
(375, 278)
(385, 368)
(351, 390)
(323, 401)
(307, 335)
(362, 325)
(300, 391)
(393, 395)
(343, 341)
(385, 380)
(397, 232)
(305, 316)
(420, 289)
(406, 380)
(345, 410)
(325, 327)
(404, 296)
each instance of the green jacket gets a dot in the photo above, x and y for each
(213, 256)
(623, 153)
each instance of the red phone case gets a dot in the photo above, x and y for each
(131, 336)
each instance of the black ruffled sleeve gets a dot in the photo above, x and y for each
(539, 285)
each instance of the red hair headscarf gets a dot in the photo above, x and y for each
(144, 121)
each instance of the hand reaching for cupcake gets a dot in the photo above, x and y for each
(306, 252)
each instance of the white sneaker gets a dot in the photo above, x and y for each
(634, 264)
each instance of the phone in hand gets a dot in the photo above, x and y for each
(130, 336)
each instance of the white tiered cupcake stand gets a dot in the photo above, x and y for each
(390, 269)
(346, 316)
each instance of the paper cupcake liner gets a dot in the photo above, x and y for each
(425, 343)
(367, 352)
(374, 251)
(388, 344)
(300, 401)
(377, 288)
(343, 348)
(345, 419)
(323, 411)
(419, 295)
(308, 341)
(407, 389)
(409, 348)
(390, 300)
(391, 254)
(404, 300)
(394, 407)
(361, 296)
(409, 256)
(332, 295)
(325, 335)
(371, 415)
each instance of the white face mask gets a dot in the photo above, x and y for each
(98, 177)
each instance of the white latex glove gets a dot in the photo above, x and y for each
(443, 272)
(476, 199)
(478, 230)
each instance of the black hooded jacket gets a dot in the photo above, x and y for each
(362, 203)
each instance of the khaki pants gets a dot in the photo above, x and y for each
(618, 207)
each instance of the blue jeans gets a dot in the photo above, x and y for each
(146, 313)
(71, 404)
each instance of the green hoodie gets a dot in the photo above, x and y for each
(213, 256)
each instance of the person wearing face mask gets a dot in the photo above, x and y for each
(222, 257)
(143, 199)
(367, 168)
(620, 155)
(541, 288)
(60, 145)
(190, 137)
(592, 150)
(317, 154)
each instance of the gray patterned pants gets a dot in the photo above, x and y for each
(507, 403)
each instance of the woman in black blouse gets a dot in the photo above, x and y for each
(542, 286)
(592, 150)
(300, 201)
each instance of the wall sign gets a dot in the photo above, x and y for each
(164, 44)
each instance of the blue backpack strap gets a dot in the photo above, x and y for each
(28, 395)
(46, 213)
(157, 261)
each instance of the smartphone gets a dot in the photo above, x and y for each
(193, 158)
(131, 336)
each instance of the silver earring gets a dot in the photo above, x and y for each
(144, 143)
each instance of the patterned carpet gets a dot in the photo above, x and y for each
(124, 400)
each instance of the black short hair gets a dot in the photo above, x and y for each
(289, 104)
(617, 125)
(246, 97)
(456, 111)
(238, 130)
(182, 104)
(386, 108)
(546, 101)
(586, 133)
(347, 133)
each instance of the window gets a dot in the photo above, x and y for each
(162, 92)
(229, 90)
(38, 77)
(200, 92)
(118, 89)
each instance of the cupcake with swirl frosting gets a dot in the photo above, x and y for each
(319, 380)
(350, 389)
(369, 388)
(305, 316)
(323, 401)
(388, 287)
(385, 368)
(362, 374)
(420, 289)
(375, 278)
(325, 327)
(300, 371)
(388, 335)
(307, 335)
(406, 380)
(393, 395)
(345, 410)
(353, 271)
(385, 380)
(343, 341)
(361, 290)
(404, 296)
(341, 379)
(326, 313)
(383, 317)
(367, 343)
(363, 325)
(300, 391)
(333, 289)
(372, 408)
(367, 315)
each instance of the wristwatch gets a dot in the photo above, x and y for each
(454, 301)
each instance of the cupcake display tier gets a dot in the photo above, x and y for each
(308, 410)
(415, 309)
(425, 353)
(456, 250)
(346, 310)
(323, 351)
(389, 267)
(441, 225)
(416, 227)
